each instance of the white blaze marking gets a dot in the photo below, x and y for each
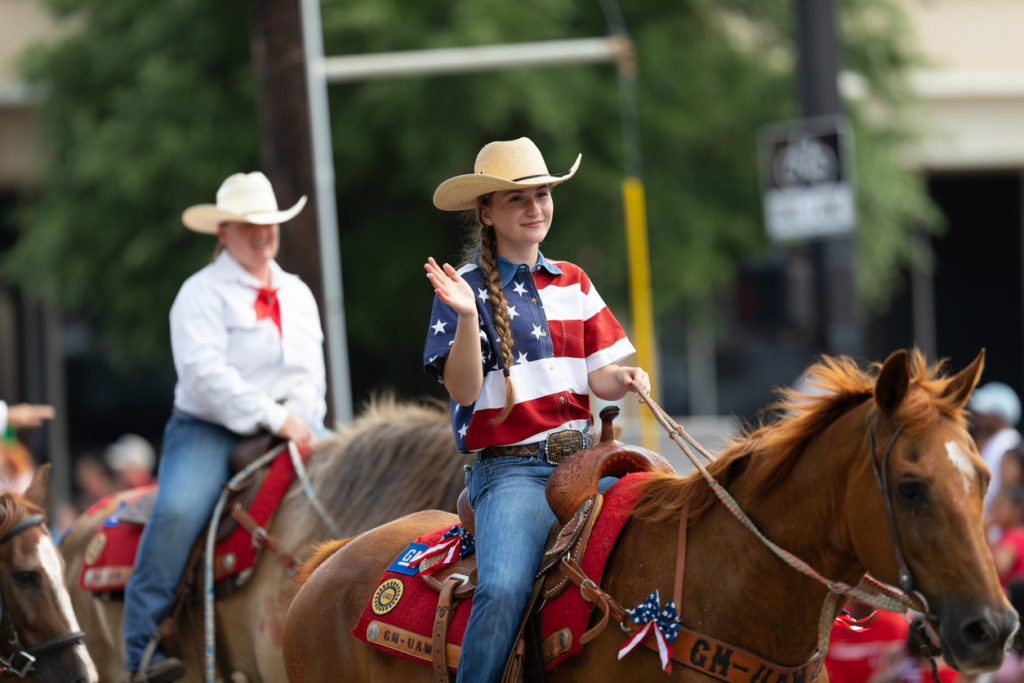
(962, 462)
(50, 560)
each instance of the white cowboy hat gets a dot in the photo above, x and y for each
(243, 198)
(996, 398)
(501, 165)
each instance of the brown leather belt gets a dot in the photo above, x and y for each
(554, 449)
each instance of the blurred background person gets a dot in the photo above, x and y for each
(1008, 515)
(16, 464)
(248, 352)
(996, 412)
(131, 459)
(23, 415)
(1011, 467)
(93, 482)
(1012, 670)
(857, 653)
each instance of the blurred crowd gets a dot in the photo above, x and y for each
(126, 463)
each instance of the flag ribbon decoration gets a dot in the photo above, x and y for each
(455, 543)
(848, 621)
(663, 623)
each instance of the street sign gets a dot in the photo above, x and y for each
(805, 180)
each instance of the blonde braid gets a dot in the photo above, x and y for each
(499, 306)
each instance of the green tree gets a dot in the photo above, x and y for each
(150, 105)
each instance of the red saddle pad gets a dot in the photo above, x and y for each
(398, 618)
(110, 555)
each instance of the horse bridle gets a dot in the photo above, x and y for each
(22, 660)
(904, 576)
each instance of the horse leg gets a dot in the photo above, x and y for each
(318, 642)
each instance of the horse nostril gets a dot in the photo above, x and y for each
(980, 632)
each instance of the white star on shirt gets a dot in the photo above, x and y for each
(519, 289)
(481, 294)
(537, 332)
(483, 335)
(439, 326)
(462, 431)
(521, 358)
(512, 313)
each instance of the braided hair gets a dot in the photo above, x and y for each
(499, 306)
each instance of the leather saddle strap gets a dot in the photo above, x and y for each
(703, 653)
(439, 640)
(511, 671)
(260, 537)
(677, 594)
(592, 593)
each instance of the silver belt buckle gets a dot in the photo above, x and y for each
(561, 445)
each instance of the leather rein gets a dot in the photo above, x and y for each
(884, 599)
(22, 660)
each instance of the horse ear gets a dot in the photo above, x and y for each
(893, 381)
(960, 387)
(36, 490)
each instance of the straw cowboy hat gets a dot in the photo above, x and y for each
(501, 165)
(243, 198)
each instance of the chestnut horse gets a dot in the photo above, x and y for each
(395, 458)
(806, 481)
(39, 636)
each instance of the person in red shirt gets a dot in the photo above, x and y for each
(880, 649)
(855, 654)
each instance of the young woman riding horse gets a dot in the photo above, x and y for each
(808, 483)
(518, 341)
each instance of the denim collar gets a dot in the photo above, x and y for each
(507, 270)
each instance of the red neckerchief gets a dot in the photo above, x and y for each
(267, 305)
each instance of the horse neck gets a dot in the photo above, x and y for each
(808, 512)
(805, 514)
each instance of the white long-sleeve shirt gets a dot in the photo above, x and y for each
(238, 371)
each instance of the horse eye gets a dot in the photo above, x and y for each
(28, 579)
(912, 492)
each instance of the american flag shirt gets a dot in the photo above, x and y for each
(562, 330)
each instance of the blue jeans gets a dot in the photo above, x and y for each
(512, 520)
(193, 465)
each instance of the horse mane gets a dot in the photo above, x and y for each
(319, 555)
(404, 450)
(766, 453)
(10, 503)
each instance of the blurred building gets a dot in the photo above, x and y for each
(970, 107)
(972, 104)
(31, 355)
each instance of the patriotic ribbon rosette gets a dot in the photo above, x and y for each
(455, 543)
(847, 620)
(649, 615)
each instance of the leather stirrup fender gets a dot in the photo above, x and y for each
(439, 641)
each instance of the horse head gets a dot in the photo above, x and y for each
(926, 534)
(41, 637)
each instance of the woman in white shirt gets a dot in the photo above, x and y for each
(248, 351)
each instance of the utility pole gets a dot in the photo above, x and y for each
(282, 101)
(838, 329)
